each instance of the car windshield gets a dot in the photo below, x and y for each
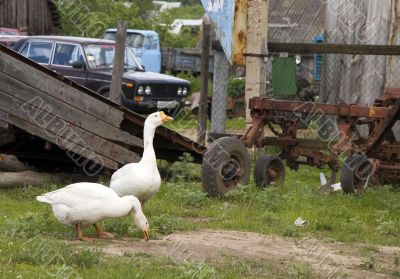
(134, 40)
(102, 56)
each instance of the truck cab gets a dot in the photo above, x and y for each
(144, 43)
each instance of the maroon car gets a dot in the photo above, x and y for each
(9, 31)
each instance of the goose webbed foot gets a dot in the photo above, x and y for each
(102, 234)
(80, 234)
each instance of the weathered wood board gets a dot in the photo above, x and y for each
(92, 130)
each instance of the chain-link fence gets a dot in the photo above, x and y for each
(333, 78)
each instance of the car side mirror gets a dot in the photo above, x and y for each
(78, 65)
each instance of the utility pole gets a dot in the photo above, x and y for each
(257, 32)
(119, 60)
(205, 56)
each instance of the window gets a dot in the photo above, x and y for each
(40, 52)
(150, 42)
(102, 56)
(135, 40)
(66, 54)
(25, 50)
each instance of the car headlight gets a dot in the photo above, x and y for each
(184, 91)
(180, 91)
(140, 90)
(147, 90)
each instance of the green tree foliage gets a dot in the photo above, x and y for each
(90, 18)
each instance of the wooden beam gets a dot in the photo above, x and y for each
(37, 179)
(70, 146)
(62, 133)
(205, 55)
(300, 48)
(119, 61)
(44, 82)
(70, 114)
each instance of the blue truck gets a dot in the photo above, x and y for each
(144, 43)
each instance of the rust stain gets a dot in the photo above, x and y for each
(239, 32)
(372, 112)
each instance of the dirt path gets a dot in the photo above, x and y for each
(331, 260)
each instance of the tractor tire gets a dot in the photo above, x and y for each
(269, 170)
(225, 164)
(355, 174)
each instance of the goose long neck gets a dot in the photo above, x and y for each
(119, 207)
(148, 152)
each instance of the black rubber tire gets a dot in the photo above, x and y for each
(262, 171)
(225, 164)
(105, 93)
(350, 178)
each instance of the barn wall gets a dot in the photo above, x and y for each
(32, 14)
(393, 63)
(354, 78)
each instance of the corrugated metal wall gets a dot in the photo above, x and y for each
(39, 16)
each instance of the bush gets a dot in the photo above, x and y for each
(194, 81)
(236, 87)
(184, 169)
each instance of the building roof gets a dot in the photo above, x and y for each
(82, 40)
(296, 21)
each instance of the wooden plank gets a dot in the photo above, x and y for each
(69, 146)
(300, 48)
(61, 130)
(22, 13)
(37, 179)
(3, 124)
(3, 120)
(25, 93)
(58, 89)
(205, 56)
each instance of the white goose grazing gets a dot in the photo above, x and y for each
(141, 179)
(84, 204)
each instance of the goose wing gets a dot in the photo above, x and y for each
(78, 193)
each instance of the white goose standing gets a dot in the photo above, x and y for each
(84, 204)
(141, 179)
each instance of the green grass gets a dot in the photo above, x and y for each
(185, 121)
(26, 226)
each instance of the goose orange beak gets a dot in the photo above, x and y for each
(146, 235)
(165, 118)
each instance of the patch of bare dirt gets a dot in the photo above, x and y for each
(331, 260)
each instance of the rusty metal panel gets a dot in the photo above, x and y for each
(239, 32)
(229, 19)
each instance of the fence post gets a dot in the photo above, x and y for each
(257, 31)
(205, 56)
(119, 57)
